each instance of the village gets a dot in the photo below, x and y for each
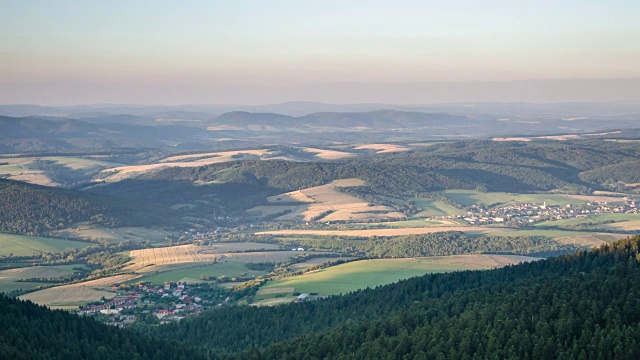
(526, 213)
(154, 304)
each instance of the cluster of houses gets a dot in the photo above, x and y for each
(531, 212)
(114, 306)
(171, 302)
(205, 234)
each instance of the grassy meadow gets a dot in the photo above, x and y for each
(24, 245)
(192, 274)
(9, 279)
(359, 275)
(431, 208)
(473, 197)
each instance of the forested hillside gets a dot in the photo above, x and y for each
(573, 167)
(494, 166)
(29, 331)
(33, 209)
(577, 306)
(615, 176)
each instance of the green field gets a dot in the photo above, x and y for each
(359, 275)
(23, 245)
(83, 230)
(8, 278)
(472, 197)
(193, 273)
(8, 286)
(435, 208)
(12, 168)
(591, 218)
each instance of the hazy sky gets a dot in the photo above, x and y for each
(70, 52)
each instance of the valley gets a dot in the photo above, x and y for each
(311, 180)
(265, 224)
(139, 238)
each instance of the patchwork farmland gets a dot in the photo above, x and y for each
(325, 203)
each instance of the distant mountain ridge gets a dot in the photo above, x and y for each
(51, 133)
(183, 130)
(301, 108)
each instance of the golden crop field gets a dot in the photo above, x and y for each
(63, 298)
(580, 240)
(325, 203)
(511, 139)
(169, 255)
(72, 295)
(481, 260)
(174, 257)
(191, 160)
(630, 225)
(328, 154)
(383, 148)
(293, 196)
(218, 155)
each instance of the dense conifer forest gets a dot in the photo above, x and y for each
(579, 306)
(583, 305)
(29, 331)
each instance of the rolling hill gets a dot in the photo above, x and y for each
(33, 209)
(29, 134)
(486, 166)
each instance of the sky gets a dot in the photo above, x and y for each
(55, 52)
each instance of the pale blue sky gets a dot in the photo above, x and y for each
(70, 51)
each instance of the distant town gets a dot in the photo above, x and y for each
(526, 213)
(154, 304)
